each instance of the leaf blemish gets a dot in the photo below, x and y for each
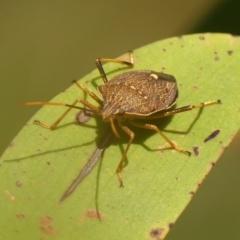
(195, 87)
(201, 38)
(170, 225)
(18, 183)
(12, 144)
(211, 165)
(156, 233)
(196, 151)
(93, 214)
(20, 216)
(212, 135)
(230, 52)
(46, 225)
(192, 193)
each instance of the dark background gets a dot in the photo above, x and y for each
(46, 44)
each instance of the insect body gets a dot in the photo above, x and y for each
(132, 96)
(138, 93)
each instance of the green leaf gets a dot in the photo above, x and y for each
(40, 164)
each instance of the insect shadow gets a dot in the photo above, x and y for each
(106, 139)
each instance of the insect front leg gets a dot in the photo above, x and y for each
(90, 93)
(131, 134)
(155, 128)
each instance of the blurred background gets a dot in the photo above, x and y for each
(44, 45)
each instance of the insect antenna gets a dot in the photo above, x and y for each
(88, 107)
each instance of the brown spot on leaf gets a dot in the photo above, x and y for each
(93, 214)
(217, 58)
(222, 149)
(211, 164)
(230, 52)
(20, 216)
(201, 37)
(18, 183)
(192, 193)
(212, 135)
(12, 144)
(195, 87)
(170, 225)
(156, 233)
(46, 226)
(196, 151)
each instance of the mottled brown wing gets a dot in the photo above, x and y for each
(138, 92)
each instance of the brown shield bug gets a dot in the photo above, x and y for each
(134, 96)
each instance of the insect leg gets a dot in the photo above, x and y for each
(89, 106)
(114, 130)
(99, 62)
(182, 109)
(90, 93)
(131, 134)
(155, 128)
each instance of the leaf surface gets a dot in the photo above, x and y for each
(40, 164)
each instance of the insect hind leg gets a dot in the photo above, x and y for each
(99, 62)
(182, 109)
(155, 128)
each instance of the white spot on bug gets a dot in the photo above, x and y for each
(154, 76)
(133, 87)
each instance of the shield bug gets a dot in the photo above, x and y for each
(133, 96)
